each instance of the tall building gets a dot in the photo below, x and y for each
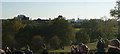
(22, 17)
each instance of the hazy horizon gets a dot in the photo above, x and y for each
(45, 10)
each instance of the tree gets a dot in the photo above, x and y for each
(25, 34)
(63, 29)
(55, 42)
(98, 27)
(10, 27)
(116, 13)
(91, 28)
(37, 42)
(82, 36)
(58, 28)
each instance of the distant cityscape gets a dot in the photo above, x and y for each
(39, 20)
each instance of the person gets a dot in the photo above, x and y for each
(8, 51)
(100, 46)
(2, 51)
(27, 50)
(45, 51)
(15, 51)
(114, 47)
(79, 47)
(84, 49)
(74, 49)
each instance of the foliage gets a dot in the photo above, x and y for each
(55, 42)
(37, 42)
(98, 27)
(82, 36)
(55, 33)
(63, 30)
(116, 13)
(9, 28)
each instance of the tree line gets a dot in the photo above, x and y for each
(56, 33)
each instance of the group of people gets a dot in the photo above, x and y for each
(25, 50)
(113, 48)
(16, 51)
(79, 49)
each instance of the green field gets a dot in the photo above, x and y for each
(92, 46)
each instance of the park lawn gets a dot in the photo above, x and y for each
(66, 49)
(92, 46)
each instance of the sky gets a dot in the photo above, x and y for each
(45, 9)
(58, 0)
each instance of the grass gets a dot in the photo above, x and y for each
(66, 49)
(91, 46)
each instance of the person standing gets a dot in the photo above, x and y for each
(27, 50)
(8, 51)
(100, 46)
(15, 51)
(45, 51)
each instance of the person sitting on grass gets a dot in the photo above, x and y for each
(74, 49)
(84, 49)
(79, 47)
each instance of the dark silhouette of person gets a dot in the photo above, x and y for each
(100, 46)
(27, 50)
(114, 47)
(8, 51)
(15, 51)
(2, 51)
(79, 47)
(74, 48)
(84, 49)
(45, 51)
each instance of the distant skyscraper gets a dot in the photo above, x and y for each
(22, 17)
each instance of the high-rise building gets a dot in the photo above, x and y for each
(22, 17)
